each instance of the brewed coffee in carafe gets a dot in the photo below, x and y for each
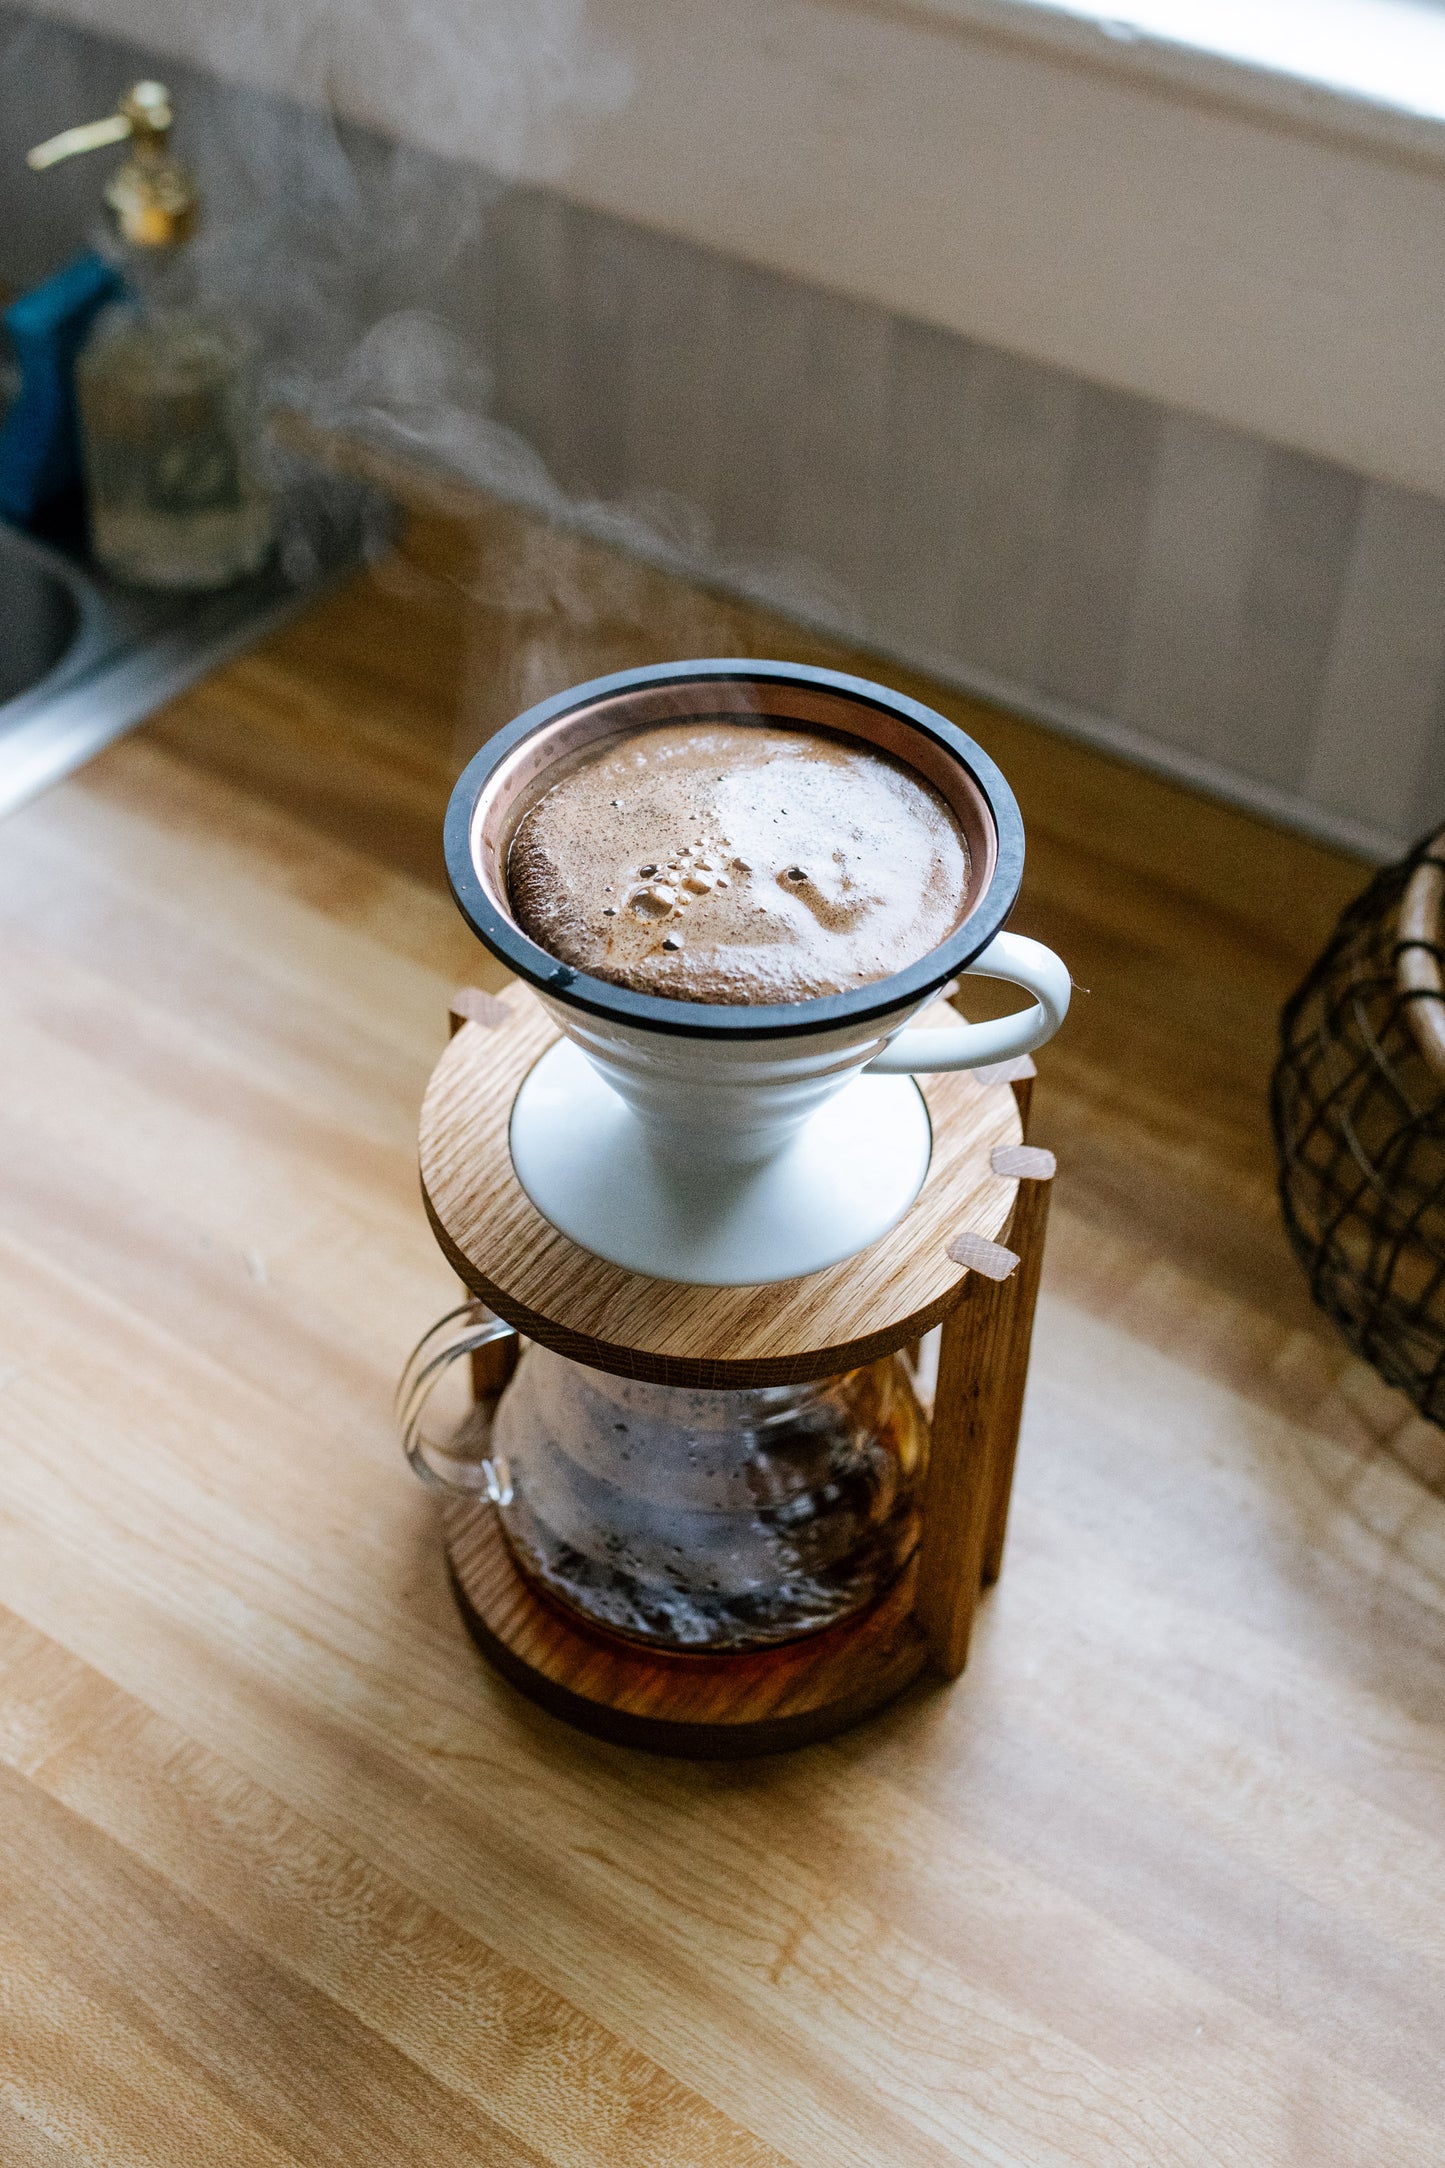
(698, 1520)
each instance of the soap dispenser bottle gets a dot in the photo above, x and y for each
(165, 388)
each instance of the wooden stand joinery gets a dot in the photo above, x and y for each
(966, 1256)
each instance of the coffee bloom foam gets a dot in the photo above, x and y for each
(738, 862)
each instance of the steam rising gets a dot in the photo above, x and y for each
(504, 84)
(360, 164)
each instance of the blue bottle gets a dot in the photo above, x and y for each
(39, 446)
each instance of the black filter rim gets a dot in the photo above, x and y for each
(715, 1020)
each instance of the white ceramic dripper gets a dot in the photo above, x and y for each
(724, 1145)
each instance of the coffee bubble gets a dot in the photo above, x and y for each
(658, 901)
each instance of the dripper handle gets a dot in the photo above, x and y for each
(1009, 956)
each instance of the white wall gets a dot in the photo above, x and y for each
(1272, 277)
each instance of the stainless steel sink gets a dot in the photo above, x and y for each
(82, 659)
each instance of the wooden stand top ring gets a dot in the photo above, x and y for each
(569, 1300)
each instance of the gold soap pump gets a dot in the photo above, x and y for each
(152, 197)
(164, 388)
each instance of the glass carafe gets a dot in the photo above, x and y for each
(683, 1518)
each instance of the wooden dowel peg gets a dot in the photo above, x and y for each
(1020, 1070)
(1026, 1162)
(469, 1005)
(980, 1255)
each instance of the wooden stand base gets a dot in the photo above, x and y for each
(707, 1707)
(945, 1261)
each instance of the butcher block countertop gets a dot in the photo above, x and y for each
(288, 1879)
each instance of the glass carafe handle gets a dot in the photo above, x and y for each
(461, 1332)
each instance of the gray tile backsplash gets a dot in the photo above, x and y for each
(1191, 584)
(1302, 544)
(1265, 624)
(676, 308)
(1103, 519)
(1019, 425)
(840, 444)
(1370, 749)
(919, 533)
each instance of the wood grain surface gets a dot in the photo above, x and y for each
(290, 1879)
(532, 1275)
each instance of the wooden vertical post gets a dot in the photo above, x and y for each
(1027, 1231)
(959, 1493)
(1026, 1235)
(982, 1370)
(492, 1366)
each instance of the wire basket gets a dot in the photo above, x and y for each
(1358, 1105)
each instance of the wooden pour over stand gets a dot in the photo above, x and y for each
(943, 1262)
